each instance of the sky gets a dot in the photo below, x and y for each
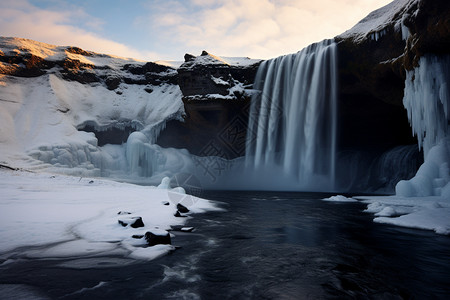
(154, 30)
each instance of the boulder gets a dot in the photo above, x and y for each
(134, 222)
(113, 82)
(157, 238)
(178, 215)
(182, 209)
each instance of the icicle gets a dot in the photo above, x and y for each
(427, 100)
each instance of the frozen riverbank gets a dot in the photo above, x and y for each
(80, 215)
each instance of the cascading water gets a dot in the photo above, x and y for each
(293, 118)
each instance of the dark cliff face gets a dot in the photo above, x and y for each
(216, 97)
(372, 74)
(371, 82)
(429, 24)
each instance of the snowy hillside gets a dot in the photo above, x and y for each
(41, 115)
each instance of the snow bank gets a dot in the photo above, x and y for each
(433, 177)
(79, 216)
(430, 213)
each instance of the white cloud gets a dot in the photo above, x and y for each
(255, 28)
(19, 18)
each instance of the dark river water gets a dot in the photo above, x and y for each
(265, 246)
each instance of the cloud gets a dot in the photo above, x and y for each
(255, 28)
(19, 18)
(170, 28)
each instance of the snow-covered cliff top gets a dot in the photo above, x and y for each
(12, 46)
(211, 59)
(393, 13)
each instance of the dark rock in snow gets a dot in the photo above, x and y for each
(134, 222)
(188, 57)
(182, 209)
(112, 82)
(124, 213)
(137, 236)
(165, 203)
(157, 238)
(178, 215)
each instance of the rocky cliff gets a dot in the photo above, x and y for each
(373, 59)
(216, 96)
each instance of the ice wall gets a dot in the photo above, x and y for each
(292, 120)
(427, 100)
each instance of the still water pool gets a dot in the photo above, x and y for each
(266, 245)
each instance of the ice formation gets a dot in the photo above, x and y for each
(427, 100)
(292, 120)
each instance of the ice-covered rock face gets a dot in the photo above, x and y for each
(427, 100)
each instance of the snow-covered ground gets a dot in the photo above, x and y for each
(75, 216)
(422, 202)
(428, 213)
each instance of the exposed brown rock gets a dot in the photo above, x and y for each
(76, 50)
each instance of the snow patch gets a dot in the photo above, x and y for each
(339, 198)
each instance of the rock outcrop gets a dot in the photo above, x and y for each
(216, 96)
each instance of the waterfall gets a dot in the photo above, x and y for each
(292, 121)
